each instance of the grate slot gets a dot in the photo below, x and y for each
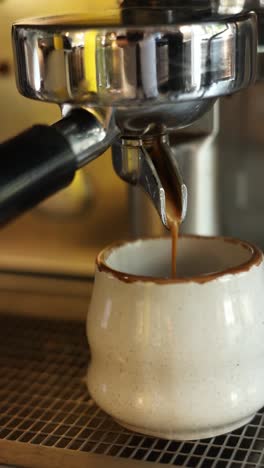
(44, 402)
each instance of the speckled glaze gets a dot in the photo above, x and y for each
(178, 359)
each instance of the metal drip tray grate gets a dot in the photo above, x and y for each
(44, 403)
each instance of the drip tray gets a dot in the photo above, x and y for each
(47, 418)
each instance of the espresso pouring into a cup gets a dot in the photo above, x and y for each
(143, 82)
(154, 355)
(172, 185)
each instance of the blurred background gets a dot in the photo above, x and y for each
(59, 240)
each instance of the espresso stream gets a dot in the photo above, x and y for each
(173, 222)
(173, 200)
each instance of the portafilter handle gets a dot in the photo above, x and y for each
(43, 159)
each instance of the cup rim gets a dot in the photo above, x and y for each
(255, 260)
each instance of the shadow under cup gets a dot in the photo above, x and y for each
(197, 257)
(178, 358)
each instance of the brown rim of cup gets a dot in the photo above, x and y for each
(255, 260)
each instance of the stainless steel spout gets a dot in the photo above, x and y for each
(133, 163)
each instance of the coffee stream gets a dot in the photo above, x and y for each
(174, 229)
(173, 199)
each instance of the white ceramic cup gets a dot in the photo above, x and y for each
(178, 358)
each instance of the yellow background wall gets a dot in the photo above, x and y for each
(17, 112)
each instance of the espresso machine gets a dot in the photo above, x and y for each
(131, 80)
(145, 75)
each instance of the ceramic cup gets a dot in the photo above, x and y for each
(178, 358)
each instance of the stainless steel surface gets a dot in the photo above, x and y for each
(90, 132)
(196, 153)
(156, 119)
(133, 163)
(70, 60)
(194, 8)
(197, 157)
(46, 414)
(175, 175)
(198, 162)
(241, 165)
(144, 218)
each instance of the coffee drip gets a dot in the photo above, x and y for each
(173, 199)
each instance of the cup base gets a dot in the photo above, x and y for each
(190, 435)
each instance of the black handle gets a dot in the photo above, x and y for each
(33, 165)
